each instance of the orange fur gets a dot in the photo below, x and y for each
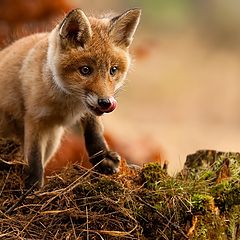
(43, 89)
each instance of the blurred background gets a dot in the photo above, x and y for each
(183, 91)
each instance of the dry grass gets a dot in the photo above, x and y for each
(145, 203)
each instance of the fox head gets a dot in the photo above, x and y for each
(89, 57)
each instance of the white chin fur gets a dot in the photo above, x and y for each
(92, 99)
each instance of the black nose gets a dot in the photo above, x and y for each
(104, 103)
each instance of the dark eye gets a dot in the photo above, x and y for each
(85, 70)
(113, 70)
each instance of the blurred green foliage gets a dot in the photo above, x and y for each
(167, 13)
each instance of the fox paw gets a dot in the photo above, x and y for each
(33, 182)
(106, 162)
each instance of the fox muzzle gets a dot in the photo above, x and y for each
(107, 105)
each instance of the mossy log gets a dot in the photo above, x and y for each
(201, 202)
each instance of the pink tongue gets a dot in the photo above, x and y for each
(113, 105)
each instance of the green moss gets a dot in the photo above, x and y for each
(201, 203)
(235, 166)
(208, 175)
(152, 175)
(108, 186)
(233, 223)
(205, 164)
(210, 226)
(226, 194)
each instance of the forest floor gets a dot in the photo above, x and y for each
(200, 202)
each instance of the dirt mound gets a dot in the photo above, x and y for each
(201, 202)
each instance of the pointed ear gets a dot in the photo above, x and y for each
(123, 27)
(76, 28)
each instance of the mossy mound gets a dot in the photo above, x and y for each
(201, 202)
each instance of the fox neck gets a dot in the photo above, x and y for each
(51, 56)
(58, 93)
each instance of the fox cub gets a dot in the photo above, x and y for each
(49, 81)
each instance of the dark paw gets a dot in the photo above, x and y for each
(106, 162)
(33, 182)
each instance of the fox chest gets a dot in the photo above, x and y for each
(64, 115)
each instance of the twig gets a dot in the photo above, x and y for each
(87, 223)
(4, 183)
(21, 199)
(74, 232)
(100, 153)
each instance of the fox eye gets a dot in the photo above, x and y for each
(113, 70)
(85, 70)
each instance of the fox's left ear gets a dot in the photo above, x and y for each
(123, 27)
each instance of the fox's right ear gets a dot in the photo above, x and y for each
(76, 28)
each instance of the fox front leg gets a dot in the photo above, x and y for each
(106, 161)
(33, 154)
